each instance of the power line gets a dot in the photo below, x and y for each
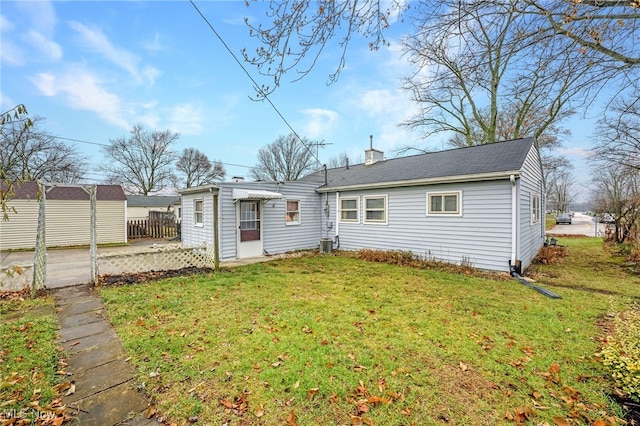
(256, 85)
(81, 141)
(104, 144)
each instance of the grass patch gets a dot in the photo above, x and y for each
(339, 340)
(29, 359)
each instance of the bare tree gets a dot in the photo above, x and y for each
(474, 67)
(31, 153)
(195, 169)
(17, 114)
(602, 32)
(342, 160)
(141, 163)
(618, 133)
(559, 183)
(617, 192)
(287, 159)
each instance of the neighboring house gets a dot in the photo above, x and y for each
(139, 206)
(68, 216)
(480, 206)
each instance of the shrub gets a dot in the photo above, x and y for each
(621, 353)
(550, 255)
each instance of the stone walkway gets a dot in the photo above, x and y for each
(104, 380)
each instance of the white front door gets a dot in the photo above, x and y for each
(249, 229)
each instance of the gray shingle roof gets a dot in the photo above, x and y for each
(29, 190)
(151, 200)
(506, 156)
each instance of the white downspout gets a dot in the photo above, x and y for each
(514, 219)
(337, 213)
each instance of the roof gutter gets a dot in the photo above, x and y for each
(430, 181)
(195, 189)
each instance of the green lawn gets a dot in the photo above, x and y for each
(336, 340)
(29, 362)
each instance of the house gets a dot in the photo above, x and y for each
(481, 206)
(139, 206)
(254, 218)
(68, 216)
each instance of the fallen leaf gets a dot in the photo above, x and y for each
(560, 421)
(296, 385)
(150, 412)
(72, 389)
(463, 366)
(311, 393)
(291, 419)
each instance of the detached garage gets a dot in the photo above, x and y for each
(68, 216)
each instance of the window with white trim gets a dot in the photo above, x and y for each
(349, 209)
(444, 203)
(198, 212)
(292, 215)
(535, 208)
(375, 209)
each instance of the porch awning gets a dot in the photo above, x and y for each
(255, 194)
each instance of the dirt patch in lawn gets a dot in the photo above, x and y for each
(141, 277)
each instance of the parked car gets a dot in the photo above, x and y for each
(606, 218)
(563, 218)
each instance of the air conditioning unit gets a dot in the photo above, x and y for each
(326, 245)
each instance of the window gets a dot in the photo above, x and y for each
(349, 209)
(198, 209)
(535, 208)
(443, 203)
(375, 209)
(292, 215)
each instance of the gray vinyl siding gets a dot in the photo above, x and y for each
(531, 236)
(67, 223)
(481, 236)
(277, 236)
(192, 235)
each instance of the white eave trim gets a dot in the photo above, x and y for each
(430, 181)
(255, 194)
(197, 189)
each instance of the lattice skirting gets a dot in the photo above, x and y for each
(16, 277)
(164, 259)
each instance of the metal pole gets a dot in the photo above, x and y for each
(40, 257)
(93, 238)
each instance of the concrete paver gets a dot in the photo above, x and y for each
(104, 382)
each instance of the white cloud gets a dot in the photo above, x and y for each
(319, 122)
(10, 54)
(154, 46)
(83, 91)
(96, 41)
(49, 49)
(186, 119)
(43, 15)
(575, 152)
(5, 24)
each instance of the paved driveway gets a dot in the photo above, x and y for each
(582, 224)
(67, 267)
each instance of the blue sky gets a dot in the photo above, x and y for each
(93, 69)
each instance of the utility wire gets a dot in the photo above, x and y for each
(256, 85)
(104, 144)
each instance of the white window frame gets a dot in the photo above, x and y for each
(196, 212)
(442, 194)
(357, 210)
(385, 209)
(535, 210)
(287, 212)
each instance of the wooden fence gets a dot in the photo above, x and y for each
(153, 228)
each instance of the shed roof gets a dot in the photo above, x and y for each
(29, 190)
(151, 200)
(472, 163)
